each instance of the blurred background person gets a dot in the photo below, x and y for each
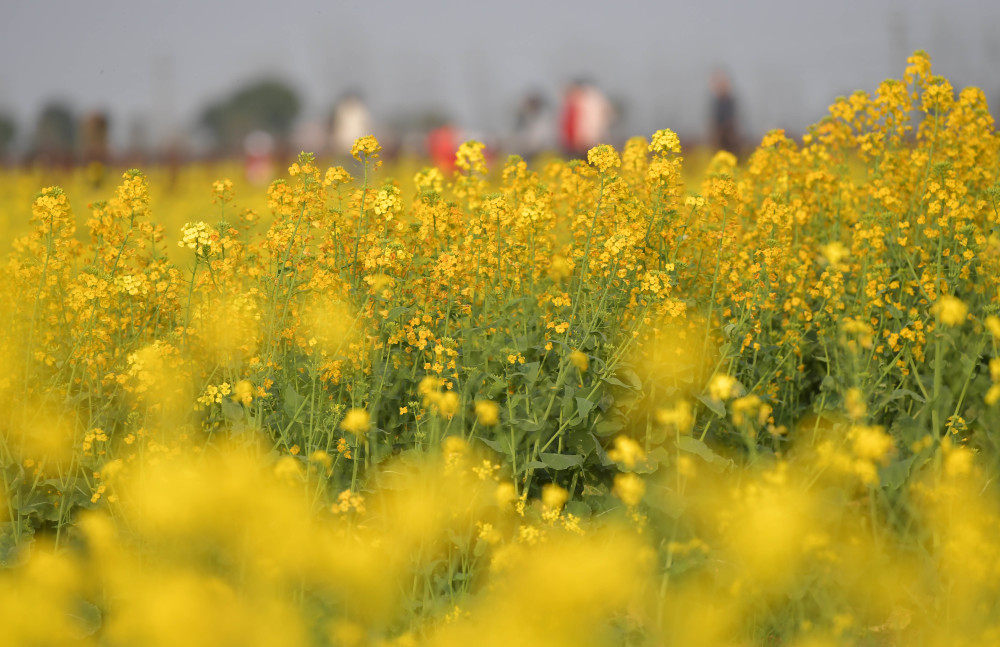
(724, 125)
(259, 151)
(351, 120)
(442, 144)
(586, 118)
(595, 117)
(569, 118)
(534, 131)
(311, 136)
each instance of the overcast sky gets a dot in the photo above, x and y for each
(162, 61)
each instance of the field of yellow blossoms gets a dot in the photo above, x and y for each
(595, 403)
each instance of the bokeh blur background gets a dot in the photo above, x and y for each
(127, 83)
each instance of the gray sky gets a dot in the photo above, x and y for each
(162, 61)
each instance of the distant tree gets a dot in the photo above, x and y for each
(55, 134)
(268, 105)
(7, 131)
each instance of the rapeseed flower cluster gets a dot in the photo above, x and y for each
(609, 402)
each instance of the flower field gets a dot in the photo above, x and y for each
(596, 402)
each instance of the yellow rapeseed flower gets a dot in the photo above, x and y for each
(580, 360)
(722, 387)
(871, 443)
(320, 457)
(680, 416)
(243, 392)
(470, 157)
(993, 325)
(554, 497)
(287, 468)
(487, 413)
(629, 488)
(455, 445)
(951, 310)
(387, 201)
(854, 402)
(506, 494)
(627, 452)
(665, 141)
(603, 157)
(366, 146)
(448, 404)
(356, 422)
(834, 252)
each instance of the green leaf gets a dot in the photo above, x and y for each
(238, 428)
(579, 509)
(631, 376)
(567, 406)
(515, 302)
(34, 500)
(86, 617)
(656, 457)
(395, 312)
(904, 393)
(608, 426)
(692, 445)
(578, 441)
(601, 454)
(713, 405)
(495, 445)
(530, 371)
(232, 410)
(529, 426)
(292, 401)
(531, 465)
(895, 474)
(667, 502)
(561, 461)
(9, 549)
(614, 381)
(584, 406)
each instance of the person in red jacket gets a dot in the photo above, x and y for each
(442, 143)
(569, 119)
